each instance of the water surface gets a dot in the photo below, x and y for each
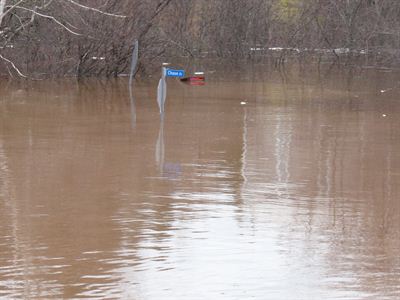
(294, 195)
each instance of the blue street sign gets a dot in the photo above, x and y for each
(175, 73)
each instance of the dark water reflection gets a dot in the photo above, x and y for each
(294, 195)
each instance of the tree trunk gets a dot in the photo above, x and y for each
(2, 6)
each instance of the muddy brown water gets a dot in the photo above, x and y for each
(294, 195)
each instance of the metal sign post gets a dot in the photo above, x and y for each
(162, 86)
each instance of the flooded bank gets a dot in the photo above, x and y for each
(292, 195)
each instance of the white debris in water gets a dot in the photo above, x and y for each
(342, 50)
(243, 103)
(317, 50)
(384, 115)
(7, 46)
(276, 48)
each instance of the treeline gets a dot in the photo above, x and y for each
(95, 37)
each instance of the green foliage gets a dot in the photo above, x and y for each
(288, 10)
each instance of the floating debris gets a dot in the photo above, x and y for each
(316, 50)
(387, 90)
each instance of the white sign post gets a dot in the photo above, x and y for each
(162, 91)
(162, 86)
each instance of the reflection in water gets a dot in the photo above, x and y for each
(292, 196)
(282, 136)
(169, 169)
(132, 106)
(160, 148)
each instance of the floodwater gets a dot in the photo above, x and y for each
(293, 195)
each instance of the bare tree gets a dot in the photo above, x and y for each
(95, 37)
(68, 37)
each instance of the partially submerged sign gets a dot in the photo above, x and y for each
(162, 85)
(175, 73)
(161, 94)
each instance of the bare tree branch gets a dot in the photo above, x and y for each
(48, 17)
(13, 65)
(9, 8)
(96, 10)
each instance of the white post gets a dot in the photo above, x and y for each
(162, 91)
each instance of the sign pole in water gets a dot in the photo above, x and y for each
(162, 86)
(134, 62)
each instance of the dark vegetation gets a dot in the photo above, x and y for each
(48, 38)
